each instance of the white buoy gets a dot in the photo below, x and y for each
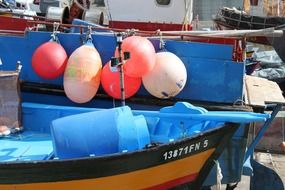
(167, 78)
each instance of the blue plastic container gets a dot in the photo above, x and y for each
(99, 133)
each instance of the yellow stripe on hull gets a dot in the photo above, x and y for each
(139, 179)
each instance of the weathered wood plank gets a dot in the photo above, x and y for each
(260, 91)
(9, 99)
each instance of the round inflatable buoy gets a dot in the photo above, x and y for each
(82, 74)
(167, 78)
(142, 54)
(49, 60)
(111, 83)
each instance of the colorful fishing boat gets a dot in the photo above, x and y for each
(198, 57)
(87, 148)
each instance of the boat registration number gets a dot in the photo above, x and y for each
(184, 150)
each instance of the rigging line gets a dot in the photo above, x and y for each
(283, 129)
(187, 12)
(108, 9)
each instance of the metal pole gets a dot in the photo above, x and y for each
(121, 68)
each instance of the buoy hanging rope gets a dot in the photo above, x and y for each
(161, 41)
(282, 145)
(88, 38)
(54, 38)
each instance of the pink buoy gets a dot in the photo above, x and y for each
(111, 83)
(82, 74)
(167, 78)
(49, 60)
(142, 58)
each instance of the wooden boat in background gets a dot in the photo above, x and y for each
(229, 19)
(269, 14)
(237, 19)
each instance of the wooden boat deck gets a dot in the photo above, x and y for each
(260, 91)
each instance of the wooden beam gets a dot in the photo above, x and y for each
(260, 91)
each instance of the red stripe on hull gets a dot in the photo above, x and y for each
(10, 23)
(174, 183)
(147, 26)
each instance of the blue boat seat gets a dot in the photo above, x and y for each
(164, 129)
(33, 146)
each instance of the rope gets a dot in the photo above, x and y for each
(219, 176)
(165, 34)
(283, 129)
(54, 32)
(89, 35)
(186, 19)
(107, 3)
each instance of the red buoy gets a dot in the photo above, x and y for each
(49, 60)
(111, 83)
(142, 58)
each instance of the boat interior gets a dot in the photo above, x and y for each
(45, 137)
(35, 142)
